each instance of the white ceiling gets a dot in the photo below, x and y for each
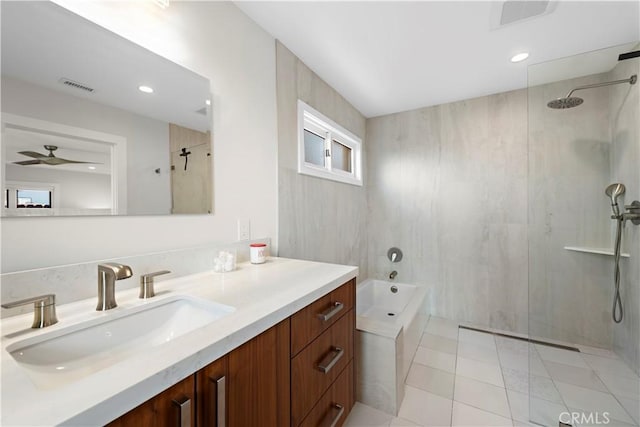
(386, 57)
(43, 42)
(15, 140)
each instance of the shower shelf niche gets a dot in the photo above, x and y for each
(599, 251)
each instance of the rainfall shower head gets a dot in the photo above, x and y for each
(573, 101)
(562, 103)
(614, 191)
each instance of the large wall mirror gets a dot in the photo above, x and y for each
(93, 124)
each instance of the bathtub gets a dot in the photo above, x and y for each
(390, 320)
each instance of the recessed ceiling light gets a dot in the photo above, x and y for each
(92, 168)
(145, 89)
(208, 102)
(520, 57)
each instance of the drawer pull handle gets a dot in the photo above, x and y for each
(332, 311)
(330, 360)
(332, 422)
(219, 401)
(184, 406)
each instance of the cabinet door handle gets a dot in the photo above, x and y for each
(331, 311)
(184, 406)
(330, 360)
(219, 401)
(333, 421)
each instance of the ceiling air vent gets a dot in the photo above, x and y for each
(76, 85)
(513, 11)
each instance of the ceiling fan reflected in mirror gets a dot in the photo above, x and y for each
(46, 159)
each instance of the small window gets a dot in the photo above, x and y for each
(33, 198)
(326, 149)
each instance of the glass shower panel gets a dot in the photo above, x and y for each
(583, 136)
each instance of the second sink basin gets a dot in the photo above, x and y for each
(66, 355)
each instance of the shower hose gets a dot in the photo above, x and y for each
(617, 301)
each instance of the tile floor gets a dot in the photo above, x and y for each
(461, 377)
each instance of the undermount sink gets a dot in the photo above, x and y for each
(67, 355)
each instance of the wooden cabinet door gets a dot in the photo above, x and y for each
(172, 408)
(258, 380)
(211, 391)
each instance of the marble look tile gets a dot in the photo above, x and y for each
(366, 416)
(401, 422)
(425, 409)
(481, 395)
(625, 158)
(442, 328)
(519, 406)
(511, 344)
(480, 352)
(475, 337)
(432, 380)
(592, 401)
(465, 415)
(632, 406)
(522, 362)
(566, 357)
(609, 366)
(537, 386)
(376, 387)
(596, 351)
(586, 378)
(435, 359)
(622, 386)
(481, 371)
(543, 412)
(439, 343)
(303, 216)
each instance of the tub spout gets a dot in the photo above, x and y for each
(393, 275)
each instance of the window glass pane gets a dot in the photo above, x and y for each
(313, 148)
(340, 156)
(33, 198)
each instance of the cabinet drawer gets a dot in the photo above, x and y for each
(173, 407)
(335, 405)
(312, 320)
(319, 364)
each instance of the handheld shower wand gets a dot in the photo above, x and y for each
(614, 191)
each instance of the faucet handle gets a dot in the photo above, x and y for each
(146, 284)
(44, 309)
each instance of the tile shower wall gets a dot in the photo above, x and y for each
(318, 219)
(456, 185)
(448, 185)
(570, 292)
(625, 168)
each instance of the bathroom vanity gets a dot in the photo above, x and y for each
(280, 355)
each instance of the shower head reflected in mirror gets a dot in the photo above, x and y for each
(614, 191)
(573, 101)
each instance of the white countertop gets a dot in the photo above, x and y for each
(262, 295)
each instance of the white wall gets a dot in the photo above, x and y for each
(216, 40)
(76, 190)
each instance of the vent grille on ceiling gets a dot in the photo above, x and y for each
(517, 10)
(76, 85)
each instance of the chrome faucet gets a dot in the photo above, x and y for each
(108, 273)
(393, 275)
(44, 309)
